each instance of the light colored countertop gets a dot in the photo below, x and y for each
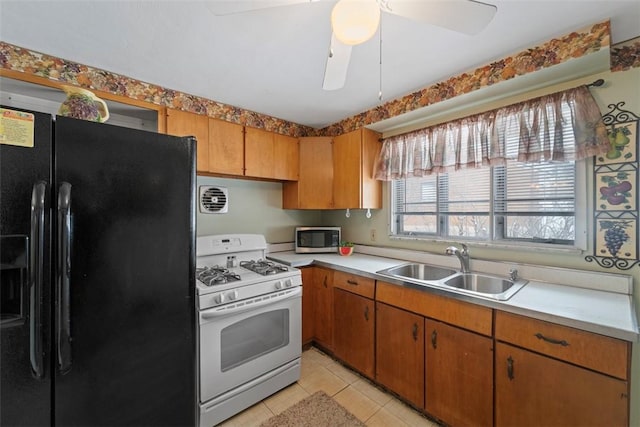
(602, 312)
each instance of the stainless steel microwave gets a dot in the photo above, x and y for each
(317, 239)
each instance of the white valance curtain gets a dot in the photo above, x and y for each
(531, 131)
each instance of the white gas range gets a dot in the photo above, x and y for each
(250, 316)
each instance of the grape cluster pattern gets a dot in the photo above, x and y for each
(615, 236)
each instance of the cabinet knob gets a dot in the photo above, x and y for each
(414, 332)
(434, 339)
(366, 313)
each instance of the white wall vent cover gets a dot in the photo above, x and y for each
(214, 199)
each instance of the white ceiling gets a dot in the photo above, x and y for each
(272, 61)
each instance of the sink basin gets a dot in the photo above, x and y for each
(417, 271)
(482, 285)
(490, 286)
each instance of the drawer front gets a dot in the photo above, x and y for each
(593, 351)
(355, 284)
(458, 313)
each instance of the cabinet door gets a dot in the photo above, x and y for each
(400, 352)
(354, 155)
(371, 187)
(347, 169)
(258, 155)
(285, 157)
(307, 304)
(535, 390)
(314, 188)
(182, 123)
(323, 306)
(353, 337)
(459, 375)
(226, 147)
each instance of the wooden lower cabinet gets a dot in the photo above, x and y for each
(400, 352)
(536, 390)
(323, 307)
(354, 326)
(459, 375)
(307, 304)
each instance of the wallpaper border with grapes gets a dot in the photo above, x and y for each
(616, 193)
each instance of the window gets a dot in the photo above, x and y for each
(514, 202)
(515, 174)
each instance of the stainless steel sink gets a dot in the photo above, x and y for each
(417, 271)
(482, 285)
(491, 286)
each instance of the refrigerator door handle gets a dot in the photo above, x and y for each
(63, 301)
(36, 267)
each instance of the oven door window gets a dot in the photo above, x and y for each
(253, 337)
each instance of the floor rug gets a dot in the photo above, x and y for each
(317, 410)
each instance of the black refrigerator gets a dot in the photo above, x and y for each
(97, 275)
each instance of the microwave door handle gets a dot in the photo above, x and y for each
(221, 311)
(63, 313)
(36, 267)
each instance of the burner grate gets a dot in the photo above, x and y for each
(216, 275)
(264, 267)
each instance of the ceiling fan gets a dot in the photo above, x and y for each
(355, 21)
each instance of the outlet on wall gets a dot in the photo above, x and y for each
(372, 235)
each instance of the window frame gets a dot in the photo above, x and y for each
(580, 219)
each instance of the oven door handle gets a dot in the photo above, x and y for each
(218, 312)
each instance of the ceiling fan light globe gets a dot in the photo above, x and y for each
(355, 21)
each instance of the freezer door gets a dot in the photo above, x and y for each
(125, 347)
(25, 297)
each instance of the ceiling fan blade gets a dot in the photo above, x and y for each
(230, 7)
(335, 73)
(464, 16)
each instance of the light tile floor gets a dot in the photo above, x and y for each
(370, 404)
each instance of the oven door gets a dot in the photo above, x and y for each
(242, 341)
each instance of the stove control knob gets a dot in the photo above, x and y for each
(232, 295)
(278, 285)
(288, 283)
(219, 299)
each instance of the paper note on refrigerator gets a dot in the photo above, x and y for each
(16, 128)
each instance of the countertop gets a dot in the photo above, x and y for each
(606, 313)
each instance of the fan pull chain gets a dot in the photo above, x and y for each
(380, 71)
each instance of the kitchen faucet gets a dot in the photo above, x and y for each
(463, 256)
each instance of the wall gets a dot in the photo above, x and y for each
(620, 86)
(254, 207)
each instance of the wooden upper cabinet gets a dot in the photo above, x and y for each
(226, 147)
(314, 188)
(354, 155)
(182, 123)
(259, 155)
(285, 157)
(270, 155)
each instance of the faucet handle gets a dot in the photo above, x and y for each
(513, 274)
(464, 248)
